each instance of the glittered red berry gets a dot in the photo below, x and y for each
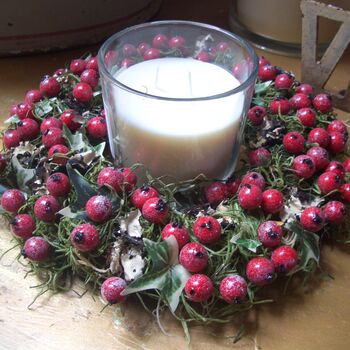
(3, 163)
(250, 196)
(33, 96)
(53, 136)
(334, 212)
(70, 118)
(28, 129)
(232, 186)
(336, 167)
(346, 165)
(36, 249)
(193, 257)
(299, 101)
(233, 289)
(58, 185)
(312, 219)
(337, 142)
(267, 72)
(280, 105)
(328, 182)
(12, 200)
(306, 116)
(257, 114)
(337, 125)
(143, 47)
(92, 63)
(322, 102)
(90, 76)
(272, 201)
(306, 89)
(160, 41)
(111, 290)
(129, 180)
(259, 157)
(98, 208)
(284, 258)
(127, 62)
(129, 50)
(85, 238)
(284, 81)
(207, 229)
(320, 136)
(294, 142)
(11, 138)
(254, 178)
(263, 61)
(46, 208)
(215, 193)
(345, 191)
(82, 92)
(97, 128)
(176, 42)
(260, 271)
(50, 122)
(58, 153)
(77, 66)
(110, 176)
(50, 87)
(304, 166)
(25, 110)
(179, 231)
(203, 56)
(151, 54)
(155, 210)
(141, 195)
(199, 288)
(23, 226)
(320, 157)
(270, 234)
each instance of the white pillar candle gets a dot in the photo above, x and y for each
(176, 137)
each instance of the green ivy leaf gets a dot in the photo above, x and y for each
(75, 141)
(42, 108)
(67, 212)
(262, 87)
(12, 120)
(250, 244)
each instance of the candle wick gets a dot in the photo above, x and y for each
(190, 83)
(146, 89)
(157, 81)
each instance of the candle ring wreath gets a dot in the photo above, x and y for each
(202, 248)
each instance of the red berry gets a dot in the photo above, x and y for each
(92, 63)
(259, 157)
(307, 116)
(293, 142)
(337, 125)
(50, 87)
(272, 201)
(50, 122)
(304, 166)
(12, 200)
(337, 142)
(98, 208)
(263, 61)
(312, 219)
(328, 182)
(23, 226)
(58, 185)
(82, 92)
(36, 249)
(160, 41)
(199, 288)
(141, 195)
(279, 105)
(13, 110)
(233, 289)
(232, 186)
(260, 271)
(270, 234)
(320, 157)
(143, 47)
(267, 72)
(250, 196)
(207, 229)
(177, 230)
(127, 62)
(299, 101)
(110, 176)
(3, 163)
(55, 151)
(323, 103)
(222, 46)
(257, 114)
(176, 42)
(129, 180)
(11, 138)
(254, 178)
(97, 128)
(320, 136)
(129, 50)
(53, 136)
(111, 58)
(69, 117)
(85, 238)
(33, 96)
(334, 212)
(193, 257)
(337, 168)
(46, 208)
(25, 110)
(345, 191)
(284, 258)
(215, 193)
(28, 129)
(306, 89)
(155, 210)
(239, 71)
(58, 72)
(346, 165)
(203, 56)
(151, 54)
(90, 76)
(77, 66)
(111, 290)
(284, 81)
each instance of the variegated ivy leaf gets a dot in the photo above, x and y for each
(250, 244)
(75, 141)
(67, 212)
(42, 108)
(23, 175)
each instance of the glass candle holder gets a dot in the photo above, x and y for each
(176, 94)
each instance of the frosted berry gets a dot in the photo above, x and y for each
(254, 178)
(260, 271)
(337, 125)
(306, 89)
(3, 163)
(50, 87)
(151, 54)
(50, 122)
(320, 136)
(267, 72)
(307, 116)
(46, 208)
(70, 117)
(77, 66)
(179, 231)
(90, 76)
(294, 142)
(345, 191)
(284, 258)
(28, 129)
(199, 288)
(141, 195)
(270, 234)
(98, 208)
(53, 136)
(328, 181)
(25, 110)
(160, 41)
(82, 92)
(155, 210)
(232, 186)
(304, 166)
(322, 102)
(129, 50)
(334, 212)
(11, 138)
(110, 176)
(320, 157)
(127, 62)
(337, 142)
(36, 249)
(23, 226)
(92, 63)
(346, 165)
(215, 193)
(336, 167)
(85, 238)
(129, 180)
(58, 185)
(257, 114)
(207, 229)
(193, 257)
(299, 101)
(312, 219)
(143, 47)
(33, 96)
(259, 157)
(250, 197)
(97, 128)
(280, 105)
(284, 81)
(233, 289)
(272, 201)
(58, 154)
(12, 200)
(111, 290)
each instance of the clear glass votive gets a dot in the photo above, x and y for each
(176, 95)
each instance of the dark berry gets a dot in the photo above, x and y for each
(11, 138)
(294, 142)
(345, 191)
(28, 129)
(270, 234)
(323, 103)
(328, 182)
(50, 87)
(53, 136)
(257, 114)
(12, 200)
(250, 196)
(58, 154)
(254, 178)
(299, 101)
(50, 122)
(320, 136)
(97, 128)
(337, 142)
(193, 257)
(215, 193)
(36, 249)
(141, 195)
(199, 288)
(151, 54)
(259, 157)
(70, 118)
(334, 212)
(58, 185)
(279, 105)
(23, 226)
(304, 166)
(267, 72)
(77, 66)
(260, 271)
(207, 229)
(85, 238)
(272, 201)
(90, 76)
(111, 290)
(33, 96)
(284, 258)
(98, 208)
(336, 167)
(25, 110)
(179, 231)
(82, 92)
(284, 81)
(46, 208)
(312, 219)
(155, 210)
(307, 116)
(320, 157)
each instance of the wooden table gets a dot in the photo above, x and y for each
(314, 318)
